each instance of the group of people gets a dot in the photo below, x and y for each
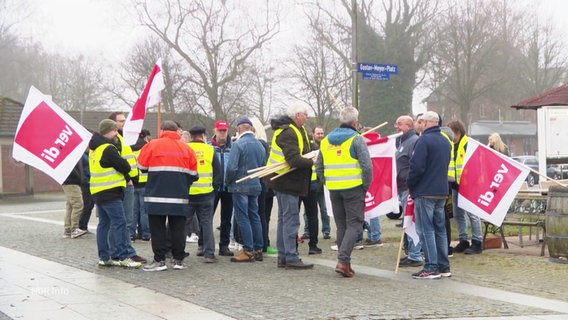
(168, 188)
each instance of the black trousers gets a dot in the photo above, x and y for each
(311, 206)
(159, 234)
(88, 206)
(226, 199)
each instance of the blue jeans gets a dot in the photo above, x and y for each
(461, 221)
(140, 216)
(430, 226)
(127, 204)
(373, 229)
(204, 211)
(287, 228)
(111, 216)
(246, 214)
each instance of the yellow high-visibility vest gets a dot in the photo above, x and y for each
(341, 171)
(103, 178)
(142, 176)
(452, 164)
(276, 154)
(460, 158)
(127, 154)
(204, 154)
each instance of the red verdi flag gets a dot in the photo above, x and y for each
(382, 196)
(149, 97)
(489, 182)
(47, 138)
(410, 220)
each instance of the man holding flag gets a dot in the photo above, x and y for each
(428, 187)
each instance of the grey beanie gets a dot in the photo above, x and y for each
(106, 126)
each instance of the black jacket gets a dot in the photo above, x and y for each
(110, 158)
(296, 182)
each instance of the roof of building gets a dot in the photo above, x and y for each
(10, 111)
(553, 97)
(484, 128)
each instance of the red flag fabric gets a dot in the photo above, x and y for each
(47, 138)
(489, 182)
(149, 97)
(409, 222)
(382, 196)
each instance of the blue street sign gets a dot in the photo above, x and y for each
(375, 76)
(377, 68)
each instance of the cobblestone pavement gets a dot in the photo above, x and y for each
(497, 283)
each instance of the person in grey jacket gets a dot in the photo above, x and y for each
(345, 166)
(247, 153)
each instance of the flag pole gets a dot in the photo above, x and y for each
(159, 121)
(399, 251)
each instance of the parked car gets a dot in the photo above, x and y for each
(552, 171)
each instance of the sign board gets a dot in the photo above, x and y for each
(376, 71)
(556, 119)
(375, 76)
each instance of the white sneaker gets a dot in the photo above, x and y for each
(193, 238)
(129, 263)
(156, 266)
(232, 245)
(334, 247)
(178, 265)
(359, 246)
(77, 233)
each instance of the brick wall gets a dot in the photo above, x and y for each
(14, 175)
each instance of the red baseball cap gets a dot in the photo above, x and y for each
(221, 125)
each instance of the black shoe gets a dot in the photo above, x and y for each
(225, 252)
(450, 252)
(314, 250)
(298, 265)
(474, 249)
(409, 263)
(326, 236)
(305, 236)
(281, 263)
(464, 244)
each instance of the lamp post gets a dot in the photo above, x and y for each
(354, 81)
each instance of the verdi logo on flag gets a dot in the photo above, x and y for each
(47, 136)
(489, 182)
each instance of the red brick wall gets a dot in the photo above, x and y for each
(13, 176)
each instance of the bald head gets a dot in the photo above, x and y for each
(404, 124)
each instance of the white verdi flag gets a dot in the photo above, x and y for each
(409, 222)
(489, 182)
(149, 97)
(47, 138)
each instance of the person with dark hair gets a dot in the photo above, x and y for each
(139, 214)
(428, 186)
(88, 203)
(172, 168)
(202, 192)
(461, 216)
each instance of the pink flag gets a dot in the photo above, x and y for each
(149, 97)
(489, 182)
(382, 196)
(409, 222)
(47, 138)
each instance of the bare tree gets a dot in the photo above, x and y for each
(215, 40)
